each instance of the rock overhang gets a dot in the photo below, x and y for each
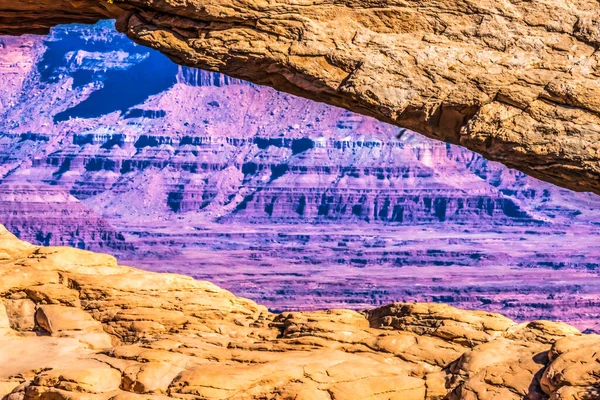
(518, 83)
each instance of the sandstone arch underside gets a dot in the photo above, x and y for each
(517, 81)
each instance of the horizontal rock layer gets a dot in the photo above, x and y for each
(76, 120)
(516, 82)
(74, 324)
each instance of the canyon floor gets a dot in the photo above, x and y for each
(76, 325)
(308, 267)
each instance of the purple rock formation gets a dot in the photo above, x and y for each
(105, 144)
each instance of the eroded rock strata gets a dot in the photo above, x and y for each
(75, 325)
(76, 119)
(514, 81)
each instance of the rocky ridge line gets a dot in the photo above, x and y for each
(514, 81)
(75, 325)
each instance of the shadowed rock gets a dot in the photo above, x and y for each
(516, 82)
(94, 329)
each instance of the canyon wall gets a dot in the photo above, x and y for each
(78, 115)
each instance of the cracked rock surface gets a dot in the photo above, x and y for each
(76, 325)
(516, 81)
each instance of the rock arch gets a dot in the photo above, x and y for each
(517, 81)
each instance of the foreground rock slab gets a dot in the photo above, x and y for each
(76, 325)
(514, 81)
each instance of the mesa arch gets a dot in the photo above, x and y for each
(517, 81)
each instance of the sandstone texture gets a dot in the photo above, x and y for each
(75, 325)
(515, 81)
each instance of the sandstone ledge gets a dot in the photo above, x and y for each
(75, 325)
(517, 81)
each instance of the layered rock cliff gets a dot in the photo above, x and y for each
(75, 324)
(516, 82)
(77, 116)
